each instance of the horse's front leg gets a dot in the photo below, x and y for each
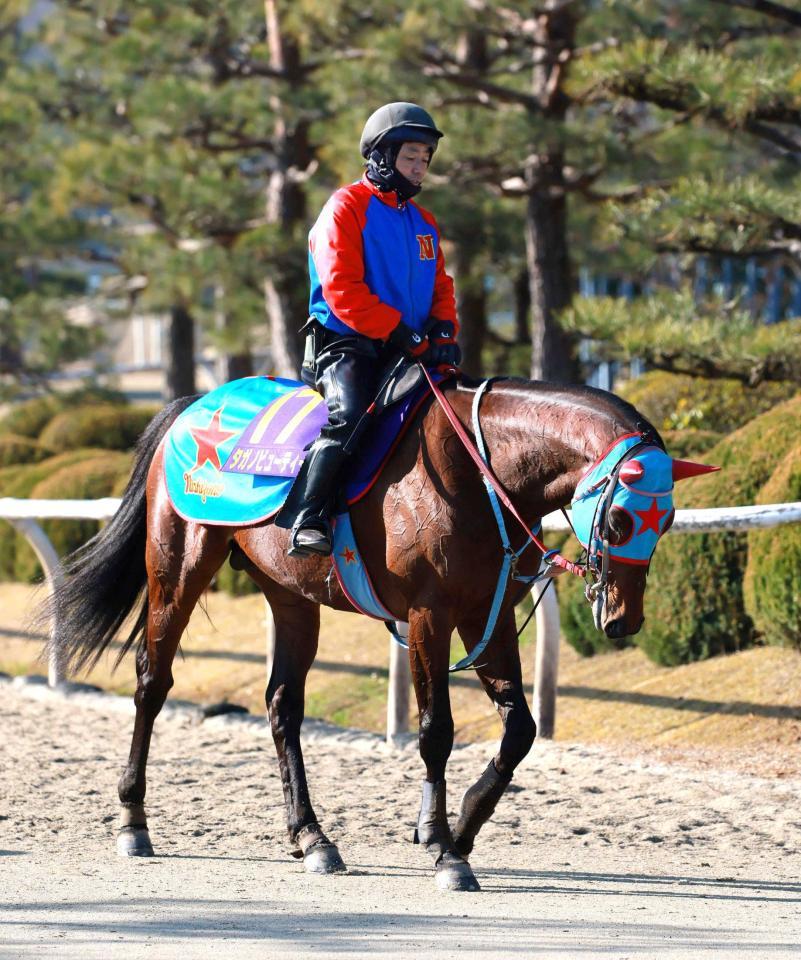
(429, 648)
(501, 676)
(297, 625)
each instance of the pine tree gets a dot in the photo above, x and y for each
(714, 87)
(37, 334)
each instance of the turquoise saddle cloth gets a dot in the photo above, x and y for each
(231, 457)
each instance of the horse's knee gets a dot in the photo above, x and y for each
(519, 733)
(436, 736)
(285, 709)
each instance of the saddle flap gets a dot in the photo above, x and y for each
(403, 380)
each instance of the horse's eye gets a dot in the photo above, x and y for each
(669, 521)
(621, 526)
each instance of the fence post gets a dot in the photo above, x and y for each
(546, 664)
(51, 565)
(400, 679)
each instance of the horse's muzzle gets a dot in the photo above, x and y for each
(617, 629)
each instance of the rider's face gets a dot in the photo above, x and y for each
(412, 162)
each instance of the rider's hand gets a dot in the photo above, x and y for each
(445, 350)
(411, 343)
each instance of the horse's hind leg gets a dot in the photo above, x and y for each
(181, 559)
(297, 628)
(501, 676)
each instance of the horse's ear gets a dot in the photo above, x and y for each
(683, 469)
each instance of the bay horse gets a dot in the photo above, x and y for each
(431, 544)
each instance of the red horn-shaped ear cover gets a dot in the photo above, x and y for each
(631, 471)
(684, 469)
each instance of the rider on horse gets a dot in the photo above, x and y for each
(378, 288)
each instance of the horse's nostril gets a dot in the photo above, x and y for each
(617, 629)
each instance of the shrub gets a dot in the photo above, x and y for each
(18, 450)
(772, 585)
(674, 401)
(87, 479)
(29, 418)
(18, 482)
(689, 444)
(106, 426)
(694, 605)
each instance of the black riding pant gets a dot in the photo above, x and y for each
(347, 373)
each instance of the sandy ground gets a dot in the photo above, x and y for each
(592, 854)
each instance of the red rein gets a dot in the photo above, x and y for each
(556, 559)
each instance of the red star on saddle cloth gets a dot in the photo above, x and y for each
(348, 555)
(651, 518)
(208, 439)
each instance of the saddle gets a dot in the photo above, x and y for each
(230, 458)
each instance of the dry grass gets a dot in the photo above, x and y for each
(743, 710)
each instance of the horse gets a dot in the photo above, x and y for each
(429, 538)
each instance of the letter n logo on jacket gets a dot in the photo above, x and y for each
(426, 241)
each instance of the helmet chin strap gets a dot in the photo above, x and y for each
(381, 171)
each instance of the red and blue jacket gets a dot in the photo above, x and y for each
(373, 263)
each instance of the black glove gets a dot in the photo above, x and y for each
(445, 350)
(411, 343)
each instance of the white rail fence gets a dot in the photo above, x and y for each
(24, 514)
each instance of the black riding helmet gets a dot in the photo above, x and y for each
(385, 131)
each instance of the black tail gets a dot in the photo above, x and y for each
(104, 580)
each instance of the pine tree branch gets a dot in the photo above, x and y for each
(776, 10)
(775, 137)
(434, 68)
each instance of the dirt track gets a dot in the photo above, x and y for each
(591, 855)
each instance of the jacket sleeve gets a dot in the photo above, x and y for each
(443, 302)
(337, 249)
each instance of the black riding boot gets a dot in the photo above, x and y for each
(308, 505)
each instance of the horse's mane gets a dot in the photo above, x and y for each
(593, 401)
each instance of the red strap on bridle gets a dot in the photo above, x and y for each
(556, 559)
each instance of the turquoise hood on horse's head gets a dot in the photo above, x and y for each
(643, 491)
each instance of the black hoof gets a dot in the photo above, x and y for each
(323, 858)
(134, 842)
(455, 874)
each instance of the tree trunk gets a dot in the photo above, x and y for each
(234, 366)
(471, 305)
(550, 280)
(286, 287)
(180, 367)
(522, 294)
(547, 255)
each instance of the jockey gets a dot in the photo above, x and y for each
(378, 289)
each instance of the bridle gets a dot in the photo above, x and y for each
(596, 570)
(598, 546)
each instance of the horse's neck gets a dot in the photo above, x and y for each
(541, 441)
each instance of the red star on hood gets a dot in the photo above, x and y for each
(348, 555)
(208, 439)
(651, 518)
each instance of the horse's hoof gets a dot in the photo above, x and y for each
(134, 842)
(454, 874)
(323, 858)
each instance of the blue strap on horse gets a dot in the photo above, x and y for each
(510, 556)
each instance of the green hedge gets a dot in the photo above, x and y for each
(772, 585)
(18, 450)
(673, 401)
(29, 418)
(694, 604)
(689, 444)
(19, 481)
(97, 425)
(86, 479)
